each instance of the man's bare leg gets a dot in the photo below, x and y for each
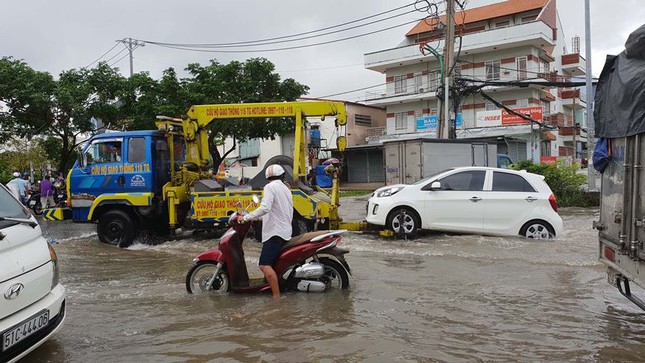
(272, 279)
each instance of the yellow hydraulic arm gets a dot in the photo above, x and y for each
(200, 116)
(194, 127)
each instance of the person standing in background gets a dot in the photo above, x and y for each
(46, 192)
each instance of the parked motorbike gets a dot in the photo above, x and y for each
(311, 262)
(34, 203)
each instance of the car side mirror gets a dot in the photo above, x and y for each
(435, 185)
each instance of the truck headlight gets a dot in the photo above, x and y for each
(54, 259)
(388, 192)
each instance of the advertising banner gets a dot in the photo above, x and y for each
(488, 118)
(533, 112)
(429, 123)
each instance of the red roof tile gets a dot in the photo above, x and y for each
(474, 15)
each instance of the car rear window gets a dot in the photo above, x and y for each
(506, 182)
(10, 207)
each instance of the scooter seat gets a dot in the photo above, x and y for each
(303, 238)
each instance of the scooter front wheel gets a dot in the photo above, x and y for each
(198, 277)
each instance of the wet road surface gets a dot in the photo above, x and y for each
(436, 298)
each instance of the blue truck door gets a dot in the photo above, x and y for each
(101, 173)
(137, 170)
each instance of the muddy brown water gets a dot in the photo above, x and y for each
(437, 298)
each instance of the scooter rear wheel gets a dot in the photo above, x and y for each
(199, 275)
(335, 276)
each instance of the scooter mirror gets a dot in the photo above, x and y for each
(255, 198)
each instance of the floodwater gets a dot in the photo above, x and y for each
(437, 298)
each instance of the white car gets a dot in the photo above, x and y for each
(32, 301)
(478, 200)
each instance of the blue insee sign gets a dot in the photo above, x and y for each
(429, 123)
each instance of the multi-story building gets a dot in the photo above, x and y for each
(514, 40)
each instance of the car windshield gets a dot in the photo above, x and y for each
(10, 207)
(426, 179)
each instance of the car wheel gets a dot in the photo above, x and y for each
(537, 230)
(403, 221)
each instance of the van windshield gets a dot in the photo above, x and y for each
(10, 207)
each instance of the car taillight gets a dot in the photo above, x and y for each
(553, 203)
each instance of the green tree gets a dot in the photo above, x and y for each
(37, 104)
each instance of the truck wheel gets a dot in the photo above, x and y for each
(403, 221)
(116, 228)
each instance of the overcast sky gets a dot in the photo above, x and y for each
(60, 35)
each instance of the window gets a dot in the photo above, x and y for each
(505, 182)
(490, 106)
(528, 19)
(523, 102)
(103, 151)
(492, 70)
(400, 84)
(400, 121)
(502, 24)
(136, 150)
(465, 181)
(546, 68)
(363, 120)
(546, 108)
(418, 84)
(433, 81)
(249, 148)
(520, 63)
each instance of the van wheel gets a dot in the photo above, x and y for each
(403, 221)
(116, 228)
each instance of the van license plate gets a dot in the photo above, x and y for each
(21, 331)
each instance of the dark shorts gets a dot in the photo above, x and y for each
(271, 251)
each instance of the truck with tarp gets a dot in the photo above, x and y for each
(619, 116)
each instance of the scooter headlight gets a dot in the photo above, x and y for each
(54, 259)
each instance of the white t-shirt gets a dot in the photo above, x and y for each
(277, 205)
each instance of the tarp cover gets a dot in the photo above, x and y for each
(620, 95)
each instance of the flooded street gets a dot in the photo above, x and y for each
(436, 298)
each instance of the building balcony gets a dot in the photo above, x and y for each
(535, 33)
(385, 99)
(573, 64)
(572, 98)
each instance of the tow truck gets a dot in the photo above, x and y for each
(160, 180)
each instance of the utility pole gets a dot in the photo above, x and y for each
(448, 60)
(591, 176)
(131, 44)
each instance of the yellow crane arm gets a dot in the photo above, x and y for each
(200, 116)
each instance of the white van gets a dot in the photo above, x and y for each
(32, 301)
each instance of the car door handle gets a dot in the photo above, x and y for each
(530, 199)
(475, 199)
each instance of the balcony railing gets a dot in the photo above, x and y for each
(535, 33)
(376, 131)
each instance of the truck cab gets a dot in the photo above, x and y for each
(122, 171)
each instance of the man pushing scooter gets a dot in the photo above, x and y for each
(277, 209)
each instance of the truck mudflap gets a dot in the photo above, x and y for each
(622, 284)
(57, 214)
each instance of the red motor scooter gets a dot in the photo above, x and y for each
(310, 262)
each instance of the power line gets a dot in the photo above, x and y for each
(295, 39)
(352, 91)
(103, 55)
(284, 48)
(116, 55)
(118, 60)
(252, 42)
(322, 69)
